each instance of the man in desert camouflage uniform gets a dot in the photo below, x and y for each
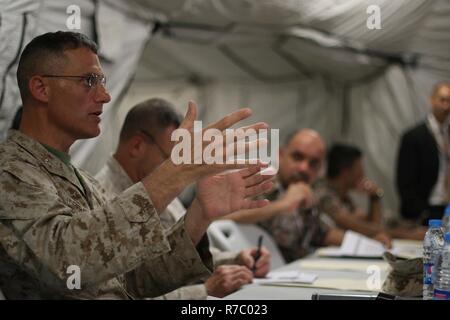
(53, 216)
(144, 144)
(345, 173)
(292, 217)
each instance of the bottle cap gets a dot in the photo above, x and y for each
(434, 223)
(447, 211)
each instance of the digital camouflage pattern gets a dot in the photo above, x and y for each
(330, 203)
(406, 277)
(114, 179)
(297, 235)
(47, 223)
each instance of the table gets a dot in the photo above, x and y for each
(266, 292)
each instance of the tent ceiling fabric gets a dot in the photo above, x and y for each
(281, 40)
(334, 63)
(291, 59)
(343, 18)
(15, 20)
(297, 63)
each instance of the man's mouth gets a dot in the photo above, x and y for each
(300, 177)
(97, 115)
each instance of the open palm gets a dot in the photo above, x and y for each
(222, 194)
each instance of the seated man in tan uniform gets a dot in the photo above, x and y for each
(145, 143)
(293, 216)
(56, 219)
(345, 173)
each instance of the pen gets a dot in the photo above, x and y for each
(258, 253)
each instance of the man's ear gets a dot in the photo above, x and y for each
(38, 88)
(323, 168)
(346, 172)
(136, 146)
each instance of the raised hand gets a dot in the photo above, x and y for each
(297, 195)
(198, 168)
(370, 188)
(225, 193)
(217, 195)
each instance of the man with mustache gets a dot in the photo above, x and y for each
(293, 217)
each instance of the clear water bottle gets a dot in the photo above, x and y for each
(432, 246)
(442, 280)
(446, 220)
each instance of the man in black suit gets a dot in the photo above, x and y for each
(423, 162)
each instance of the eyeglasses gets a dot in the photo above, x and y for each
(148, 135)
(91, 80)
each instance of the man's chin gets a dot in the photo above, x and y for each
(300, 179)
(90, 134)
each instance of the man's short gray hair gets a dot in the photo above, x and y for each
(151, 115)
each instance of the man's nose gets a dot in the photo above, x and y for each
(303, 166)
(102, 95)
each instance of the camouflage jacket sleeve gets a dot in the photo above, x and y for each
(192, 292)
(328, 202)
(45, 235)
(224, 257)
(184, 264)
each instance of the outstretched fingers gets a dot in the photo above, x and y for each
(258, 189)
(231, 119)
(254, 176)
(254, 204)
(190, 117)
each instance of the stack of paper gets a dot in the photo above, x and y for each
(407, 249)
(359, 246)
(287, 277)
(343, 265)
(334, 283)
(355, 245)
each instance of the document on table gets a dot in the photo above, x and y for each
(356, 245)
(342, 265)
(334, 283)
(287, 277)
(407, 249)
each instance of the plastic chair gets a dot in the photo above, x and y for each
(225, 235)
(230, 236)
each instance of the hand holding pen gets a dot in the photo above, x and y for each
(258, 253)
